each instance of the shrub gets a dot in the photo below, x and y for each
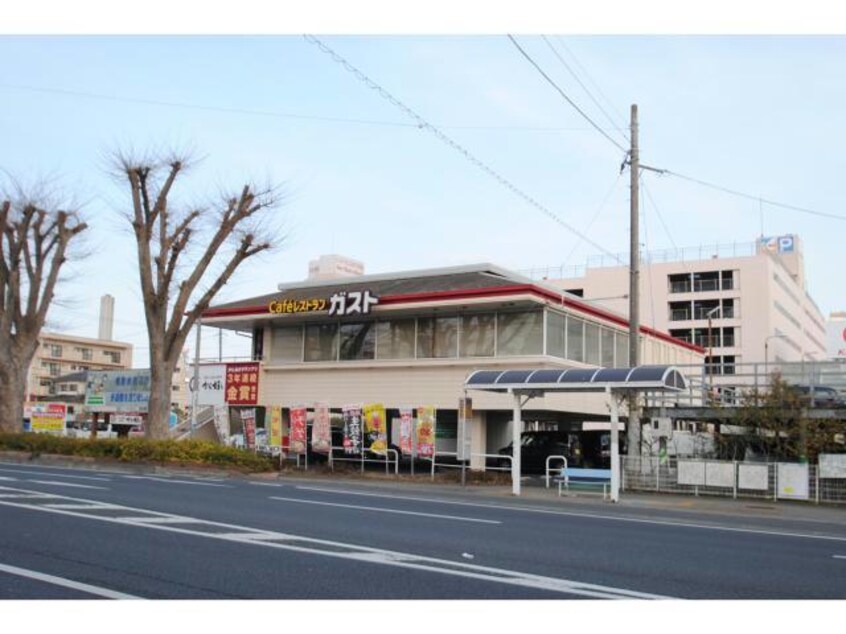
(139, 450)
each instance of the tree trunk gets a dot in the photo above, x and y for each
(15, 358)
(158, 411)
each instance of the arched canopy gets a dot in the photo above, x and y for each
(644, 378)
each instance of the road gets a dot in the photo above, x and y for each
(81, 533)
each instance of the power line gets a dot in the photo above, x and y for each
(266, 113)
(425, 125)
(563, 94)
(585, 88)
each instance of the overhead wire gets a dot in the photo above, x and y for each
(425, 125)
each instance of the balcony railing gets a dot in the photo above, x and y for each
(679, 314)
(706, 285)
(680, 287)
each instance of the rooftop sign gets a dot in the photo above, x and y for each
(342, 303)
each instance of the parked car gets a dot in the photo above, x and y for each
(823, 395)
(536, 446)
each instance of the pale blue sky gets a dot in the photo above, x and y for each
(762, 115)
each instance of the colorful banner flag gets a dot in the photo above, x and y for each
(248, 419)
(298, 429)
(274, 414)
(375, 428)
(48, 417)
(321, 429)
(406, 425)
(352, 429)
(426, 431)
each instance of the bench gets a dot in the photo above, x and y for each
(586, 477)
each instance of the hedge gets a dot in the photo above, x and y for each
(138, 450)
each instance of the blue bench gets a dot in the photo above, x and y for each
(587, 477)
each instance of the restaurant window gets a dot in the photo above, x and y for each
(592, 356)
(621, 343)
(321, 342)
(477, 335)
(395, 339)
(437, 337)
(555, 334)
(286, 344)
(575, 339)
(357, 341)
(520, 333)
(607, 348)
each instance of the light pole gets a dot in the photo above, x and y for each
(710, 315)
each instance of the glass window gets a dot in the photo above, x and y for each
(592, 344)
(520, 333)
(437, 337)
(286, 344)
(321, 342)
(622, 345)
(555, 334)
(358, 341)
(575, 339)
(607, 348)
(395, 339)
(477, 335)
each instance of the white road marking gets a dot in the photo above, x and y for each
(839, 556)
(398, 512)
(340, 550)
(172, 481)
(66, 583)
(267, 484)
(54, 474)
(78, 506)
(7, 479)
(617, 518)
(68, 484)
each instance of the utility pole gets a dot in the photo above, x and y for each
(633, 427)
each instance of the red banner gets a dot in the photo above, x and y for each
(242, 383)
(406, 423)
(248, 418)
(298, 430)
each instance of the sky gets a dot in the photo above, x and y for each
(758, 114)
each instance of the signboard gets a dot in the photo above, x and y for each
(691, 472)
(127, 419)
(117, 391)
(835, 331)
(321, 429)
(792, 481)
(754, 477)
(212, 384)
(242, 383)
(48, 418)
(832, 465)
(426, 431)
(298, 429)
(406, 426)
(778, 244)
(274, 413)
(352, 429)
(375, 428)
(248, 419)
(341, 303)
(719, 474)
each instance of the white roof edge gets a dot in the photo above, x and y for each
(484, 267)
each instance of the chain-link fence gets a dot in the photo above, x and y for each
(772, 480)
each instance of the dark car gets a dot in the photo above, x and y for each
(823, 396)
(537, 446)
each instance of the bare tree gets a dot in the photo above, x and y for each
(178, 265)
(33, 248)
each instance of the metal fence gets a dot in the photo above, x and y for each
(755, 480)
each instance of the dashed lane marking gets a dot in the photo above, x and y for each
(172, 481)
(66, 583)
(396, 511)
(271, 539)
(54, 474)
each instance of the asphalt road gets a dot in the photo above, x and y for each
(81, 533)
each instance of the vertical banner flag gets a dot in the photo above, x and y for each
(352, 429)
(242, 383)
(426, 431)
(464, 440)
(274, 413)
(248, 418)
(298, 429)
(375, 428)
(321, 430)
(406, 422)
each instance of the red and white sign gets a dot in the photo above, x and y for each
(48, 417)
(298, 429)
(248, 418)
(242, 383)
(406, 430)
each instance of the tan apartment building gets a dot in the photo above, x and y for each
(412, 338)
(743, 303)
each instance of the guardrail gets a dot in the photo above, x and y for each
(548, 458)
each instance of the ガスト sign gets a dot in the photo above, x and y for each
(341, 303)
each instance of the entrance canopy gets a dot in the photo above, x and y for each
(644, 378)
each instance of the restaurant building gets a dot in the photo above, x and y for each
(411, 338)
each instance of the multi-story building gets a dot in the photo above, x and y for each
(61, 355)
(743, 304)
(332, 267)
(411, 339)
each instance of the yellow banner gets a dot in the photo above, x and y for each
(375, 428)
(275, 413)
